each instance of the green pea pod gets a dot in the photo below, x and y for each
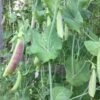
(98, 65)
(59, 26)
(12, 47)
(18, 81)
(37, 71)
(36, 61)
(48, 20)
(66, 33)
(92, 82)
(33, 22)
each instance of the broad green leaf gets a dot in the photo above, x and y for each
(61, 93)
(45, 46)
(92, 47)
(81, 72)
(72, 16)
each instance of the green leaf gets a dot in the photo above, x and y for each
(61, 93)
(45, 46)
(81, 72)
(92, 47)
(72, 16)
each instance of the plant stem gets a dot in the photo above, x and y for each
(72, 59)
(42, 82)
(73, 55)
(53, 23)
(79, 96)
(83, 94)
(50, 80)
(42, 78)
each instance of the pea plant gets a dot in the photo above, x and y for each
(51, 50)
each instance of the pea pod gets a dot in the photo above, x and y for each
(18, 81)
(36, 61)
(98, 64)
(16, 57)
(37, 71)
(92, 82)
(59, 26)
(48, 20)
(66, 33)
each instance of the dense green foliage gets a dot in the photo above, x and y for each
(64, 46)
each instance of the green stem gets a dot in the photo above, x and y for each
(50, 80)
(73, 55)
(83, 94)
(53, 23)
(72, 59)
(89, 36)
(42, 83)
(78, 51)
(79, 96)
